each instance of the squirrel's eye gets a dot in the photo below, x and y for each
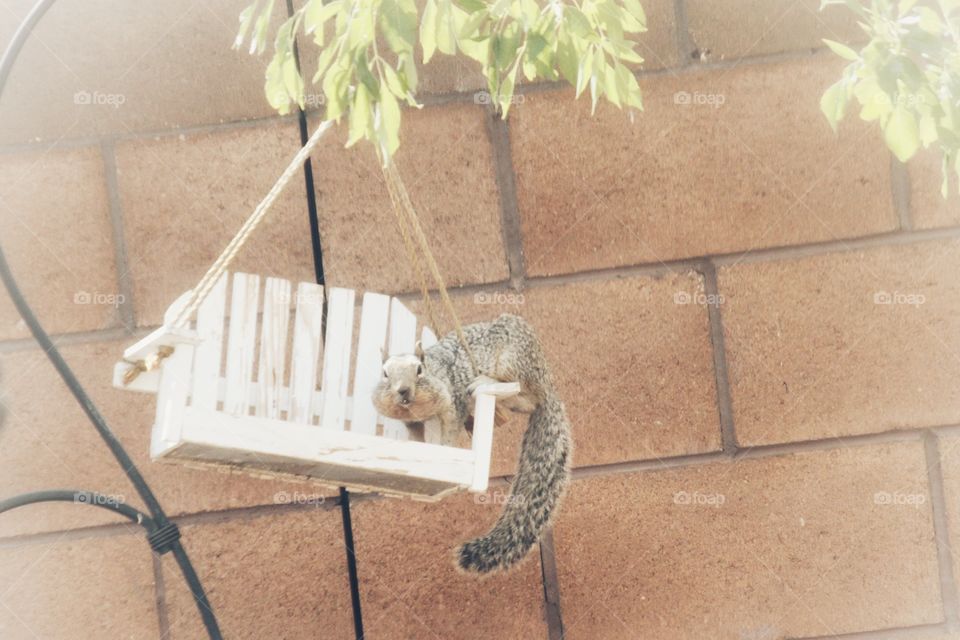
(419, 369)
(385, 372)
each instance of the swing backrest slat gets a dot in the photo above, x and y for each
(336, 357)
(241, 343)
(306, 352)
(403, 339)
(206, 360)
(273, 346)
(373, 332)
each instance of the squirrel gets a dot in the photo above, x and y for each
(440, 382)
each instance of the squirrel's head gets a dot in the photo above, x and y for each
(407, 391)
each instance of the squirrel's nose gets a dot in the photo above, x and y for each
(404, 393)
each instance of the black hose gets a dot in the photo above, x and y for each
(170, 536)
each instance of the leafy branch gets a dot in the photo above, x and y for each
(366, 66)
(906, 78)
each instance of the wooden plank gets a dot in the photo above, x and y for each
(483, 415)
(172, 400)
(403, 339)
(230, 435)
(241, 343)
(427, 338)
(307, 329)
(273, 346)
(373, 333)
(206, 360)
(336, 357)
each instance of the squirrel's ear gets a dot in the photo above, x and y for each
(383, 355)
(418, 351)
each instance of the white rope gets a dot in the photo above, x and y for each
(209, 279)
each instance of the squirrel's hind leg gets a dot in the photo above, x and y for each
(520, 403)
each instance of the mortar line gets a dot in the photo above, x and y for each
(125, 308)
(650, 269)
(432, 100)
(551, 586)
(498, 131)
(580, 473)
(941, 529)
(728, 433)
(682, 37)
(900, 187)
(160, 589)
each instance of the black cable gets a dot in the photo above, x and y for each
(43, 339)
(318, 270)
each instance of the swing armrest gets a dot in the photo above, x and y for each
(148, 381)
(483, 415)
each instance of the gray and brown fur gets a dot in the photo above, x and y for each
(439, 383)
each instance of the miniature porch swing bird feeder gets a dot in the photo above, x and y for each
(226, 398)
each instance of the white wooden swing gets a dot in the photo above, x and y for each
(227, 397)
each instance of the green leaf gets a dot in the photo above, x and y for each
(901, 133)
(834, 103)
(275, 88)
(246, 17)
(389, 124)
(636, 11)
(360, 115)
(446, 29)
(428, 30)
(842, 50)
(315, 16)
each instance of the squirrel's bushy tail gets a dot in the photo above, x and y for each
(541, 478)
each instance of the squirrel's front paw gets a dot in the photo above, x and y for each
(479, 381)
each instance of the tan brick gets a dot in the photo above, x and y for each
(763, 169)
(184, 198)
(752, 549)
(69, 589)
(928, 207)
(446, 163)
(55, 230)
(281, 576)
(410, 587)
(46, 442)
(815, 350)
(740, 28)
(950, 468)
(168, 67)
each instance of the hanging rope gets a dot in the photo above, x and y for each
(407, 215)
(220, 265)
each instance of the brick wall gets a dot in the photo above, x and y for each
(753, 323)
